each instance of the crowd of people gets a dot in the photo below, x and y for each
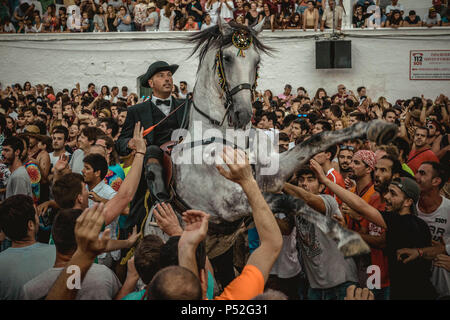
(188, 15)
(72, 161)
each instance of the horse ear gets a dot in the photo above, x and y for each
(224, 27)
(259, 26)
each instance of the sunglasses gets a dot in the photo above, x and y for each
(344, 147)
(302, 115)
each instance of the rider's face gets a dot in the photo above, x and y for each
(162, 84)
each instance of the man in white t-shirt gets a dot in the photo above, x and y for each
(59, 138)
(434, 209)
(432, 19)
(329, 273)
(394, 6)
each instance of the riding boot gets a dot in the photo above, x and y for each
(155, 182)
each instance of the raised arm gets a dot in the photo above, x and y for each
(124, 196)
(89, 245)
(312, 200)
(351, 199)
(269, 233)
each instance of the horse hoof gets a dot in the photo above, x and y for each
(381, 132)
(354, 247)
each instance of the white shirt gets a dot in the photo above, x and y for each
(439, 224)
(225, 12)
(165, 109)
(390, 8)
(54, 159)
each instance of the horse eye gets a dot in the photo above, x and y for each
(227, 58)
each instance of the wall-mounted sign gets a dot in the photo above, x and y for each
(429, 65)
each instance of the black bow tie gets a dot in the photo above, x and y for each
(160, 102)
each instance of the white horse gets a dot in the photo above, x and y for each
(222, 103)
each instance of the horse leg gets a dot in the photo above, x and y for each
(292, 160)
(348, 242)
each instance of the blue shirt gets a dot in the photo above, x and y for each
(20, 265)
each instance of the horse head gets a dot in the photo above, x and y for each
(228, 69)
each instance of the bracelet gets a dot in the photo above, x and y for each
(137, 152)
(420, 252)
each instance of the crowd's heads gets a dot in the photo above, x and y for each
(307, 179)
(432, 176)
(147, 257)
(95, 168)
(175, 283)
(63, 230)
(402, 196)
(363, 164)
(70, 192)
(18, 218)
(13, 148)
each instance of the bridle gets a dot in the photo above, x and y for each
(241, 40)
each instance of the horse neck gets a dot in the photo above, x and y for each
(207, 96)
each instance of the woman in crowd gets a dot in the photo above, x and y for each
(167, 17)
(267, 14)
(252, 16)
(110, 19)
(99, 20)
(152, 20)
(310, 17)
(295, 21)
(50, 20)
(123, 20)
(191, 25)
(105, 93)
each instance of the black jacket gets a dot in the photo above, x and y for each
(143, 112)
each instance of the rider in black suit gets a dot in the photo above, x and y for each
(149, 113)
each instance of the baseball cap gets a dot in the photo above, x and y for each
(436, 2)
(410, 188)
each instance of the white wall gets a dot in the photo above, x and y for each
(62, 60)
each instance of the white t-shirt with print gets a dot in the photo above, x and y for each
(439, 224)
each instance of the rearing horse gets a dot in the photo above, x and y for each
(222, 100)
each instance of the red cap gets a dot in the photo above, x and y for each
(51, 97)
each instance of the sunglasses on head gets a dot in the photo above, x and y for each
(344, 147)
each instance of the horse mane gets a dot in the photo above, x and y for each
(212, 37)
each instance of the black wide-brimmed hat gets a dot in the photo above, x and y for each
(155, 68)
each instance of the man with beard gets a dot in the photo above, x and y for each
(60, 135)
(434, 209)
(345, 157)
(386, 169)
(420, 152)
(404, 229)
(362, 167)
(19, 181)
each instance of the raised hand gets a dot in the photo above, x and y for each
(62, 162)
(195, 229)
(137, 142)
(316, 167)
(167, 220)
(87, 230)
(134, 236)
(238, 165)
